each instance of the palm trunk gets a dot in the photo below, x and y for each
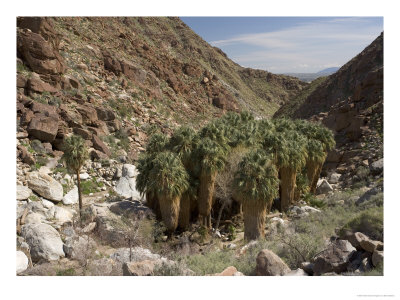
(220, 214)
(153, 203)
(78, 178)
(254, 219)
(184, 212)
(169, 211)
(288, 184)
(312, 168)
(313, 175)
(205, 197)
(296, 196)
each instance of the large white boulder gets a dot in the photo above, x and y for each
(44, 241)
(71, 197)
(323, 187)
(129, 171)
(45, 186)
(126, 187)
(60, 215)
(23, 192)
(22, 262)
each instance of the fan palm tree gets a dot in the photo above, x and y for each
(210, 156)
(256, 184)
(168, 181)
(183, 142)
(75, 155)
(320, 141)
(289, 150)
(157, 143)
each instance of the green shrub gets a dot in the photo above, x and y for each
(90, 186)
(211, 262)
(369, 222)
(170, 269)
(66, 272)
(314, 201)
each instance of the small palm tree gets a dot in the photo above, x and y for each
(75, 155)
(256, 184)
(168, 181)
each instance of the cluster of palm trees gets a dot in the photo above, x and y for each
(282, 158)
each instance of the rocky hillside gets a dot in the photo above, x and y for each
(350, 102)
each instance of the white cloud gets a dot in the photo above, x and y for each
(305, 47)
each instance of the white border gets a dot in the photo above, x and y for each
(197, 287)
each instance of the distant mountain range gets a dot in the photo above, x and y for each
(328, 71)
(308, 77)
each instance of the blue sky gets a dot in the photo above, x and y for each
(288, 44)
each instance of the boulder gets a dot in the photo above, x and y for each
(76, 247)
(111, 63)
(84, 133)
(105, 114)
(45, 109)
(324, 187)
(141, 268)
(335, 258)
(37, 85)
(376, 167)
(97, 155)
(297, 272)
(269, 264)
(133, 210)
(71, 197)
(88, 114)
(99, 145)
(110, 228)
(136, 254)
(25, 156)
(126, 187)
(103, 267)
(368, 194)
(60, 215)
(44, 241)
(43, 128)
(22, 262)
(89, 227)
(33, 217)
(45, 186)
(307, 267)
(39, 54)
(334, 178)
(355, 239)
(129, 171)
(370, 246)
(47, 204)
(377, 258)
(229, 271)
(23, 192)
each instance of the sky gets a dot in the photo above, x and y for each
(288, 44)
